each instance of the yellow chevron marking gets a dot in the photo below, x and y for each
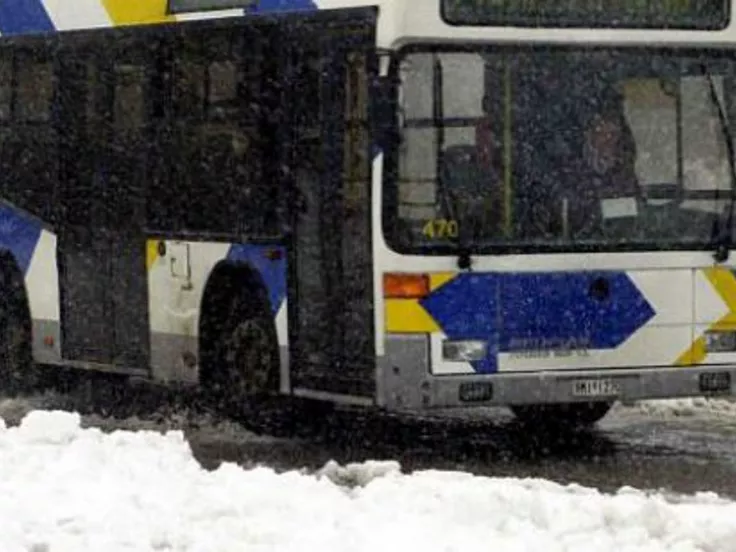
(724, 282)
(408, 316)
(439, 279)
(695, 354)
(132, 12)
(151, 253)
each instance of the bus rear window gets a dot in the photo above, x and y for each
(650, 14)
(555, 149)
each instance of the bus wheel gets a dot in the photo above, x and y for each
(562, 416)
(16, 362)
(247, 363)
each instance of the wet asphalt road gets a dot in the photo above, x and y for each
(630, 447)
(681, 455)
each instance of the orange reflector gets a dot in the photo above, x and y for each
(405, 286)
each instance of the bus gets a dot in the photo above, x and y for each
(396, 204)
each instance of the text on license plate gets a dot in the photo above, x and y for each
(596, 388)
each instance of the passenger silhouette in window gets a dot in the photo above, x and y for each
(610, 151)
(609, 189)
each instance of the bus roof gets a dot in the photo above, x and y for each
(400, 21)
(409, 21)
(404, 22)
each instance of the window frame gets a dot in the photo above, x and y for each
(390, 221)
(715, 22)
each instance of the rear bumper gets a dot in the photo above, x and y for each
(406, 384)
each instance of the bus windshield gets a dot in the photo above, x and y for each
(560, 149)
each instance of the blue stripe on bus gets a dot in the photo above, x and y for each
(24, 16)
(542, 311)
(19, 234)
(272, 270)
(282, 5)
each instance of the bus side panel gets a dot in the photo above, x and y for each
(29, 162)
(34, 249)
(41, 16)
(178, 272)
(217, 180)
(332, 329)
(42, 285)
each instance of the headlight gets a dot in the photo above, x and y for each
(464, 351)
(720, 342)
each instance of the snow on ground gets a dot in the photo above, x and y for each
(66, 488)
(686, 407)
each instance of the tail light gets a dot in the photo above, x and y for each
(405, 286)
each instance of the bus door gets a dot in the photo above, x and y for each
(101, 240)
(327, 76)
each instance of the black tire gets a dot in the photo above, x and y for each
(17, 374)
(244, 372)
(562, 416)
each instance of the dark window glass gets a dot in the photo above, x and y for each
(35, 90)
(129, 110)
(666, 14)
(560, 149)
(6, 85)
(189, 84)
(210, 176)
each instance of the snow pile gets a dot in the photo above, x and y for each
(357, 475)
(65, 488)
(686, 407)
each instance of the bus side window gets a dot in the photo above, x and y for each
(356, 161)
(30, 150)
(6, 129)
(6, 85)
(213, 161)
(222, 78)
(36, 88)
(127, 177)
(307, 74)
(129, 110)
(189, 85)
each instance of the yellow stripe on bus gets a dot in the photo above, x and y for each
(132, 12)
(408, 316)
(724, 282)
(695, 354)
(151, 253)
(439, 279)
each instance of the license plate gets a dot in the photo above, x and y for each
(476, 391)
(715, 382)
(596, 388)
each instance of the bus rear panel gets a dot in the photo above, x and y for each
(558, 205)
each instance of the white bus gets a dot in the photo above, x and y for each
(406, 204)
